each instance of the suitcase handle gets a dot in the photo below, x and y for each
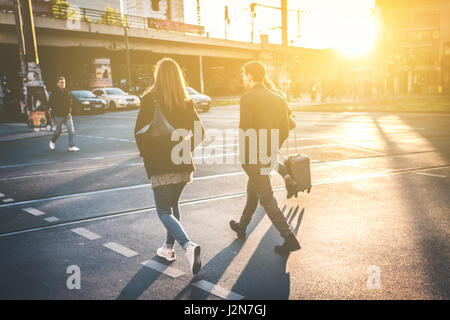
(295, 144)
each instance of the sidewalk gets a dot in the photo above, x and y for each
(10, 131)
(416, 104)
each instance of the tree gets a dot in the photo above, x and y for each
(111, 16)
(61, 9)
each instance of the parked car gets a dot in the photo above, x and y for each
(202, 101)
(117, 98)
(85, 100)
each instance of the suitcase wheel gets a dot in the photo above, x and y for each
(309, 190)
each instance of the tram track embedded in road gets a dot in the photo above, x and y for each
(386, 173)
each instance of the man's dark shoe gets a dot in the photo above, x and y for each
(237, 228)
(291, 186)
(290, 244)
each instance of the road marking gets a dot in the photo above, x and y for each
(120, 249)
(149, 184)
(124, 140)
(1, 195)
(51, 219)
(217, 290)
(216, 198)
(431, 175)
(34, 212)
(8, 200)
(171, 272)
(86, 233)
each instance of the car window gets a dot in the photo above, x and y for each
(83, 94)
(114, 91)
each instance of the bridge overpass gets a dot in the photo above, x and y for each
(66, 47)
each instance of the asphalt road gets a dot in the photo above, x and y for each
(375, 225)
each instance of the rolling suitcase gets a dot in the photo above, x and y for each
(299, 168)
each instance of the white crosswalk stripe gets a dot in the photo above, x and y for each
(34, 212)
(217, 290)
(86, 233)
(121, 249)
(51, 219)
(171, 272)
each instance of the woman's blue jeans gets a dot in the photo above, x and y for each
(166, 200)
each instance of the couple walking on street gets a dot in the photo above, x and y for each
(167, 107)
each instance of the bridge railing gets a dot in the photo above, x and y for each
(67, 11)
(109, 16)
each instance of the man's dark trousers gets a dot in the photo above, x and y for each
(259, 187)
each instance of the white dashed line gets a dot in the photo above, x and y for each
(34, 212)
(1, 195)
(8, 200)
(121, 249)
(86, 233)
(217, 290)
(51, 219)
(431, 175)
(124, 140)
(171, 272)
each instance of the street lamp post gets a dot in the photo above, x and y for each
(130, 84)
(127, 49)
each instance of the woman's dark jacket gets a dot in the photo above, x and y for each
(158, 160)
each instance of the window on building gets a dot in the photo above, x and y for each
(155, 5)
(412, 35)
(424, 35)
(435, 34)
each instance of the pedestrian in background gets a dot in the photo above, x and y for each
(169, 96)
(61, 104)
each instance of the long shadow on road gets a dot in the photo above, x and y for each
(264, 276)
(430, 228)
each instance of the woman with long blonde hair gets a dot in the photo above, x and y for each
(168, 96)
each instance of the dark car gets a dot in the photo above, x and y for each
(202, 101)
(87, 101)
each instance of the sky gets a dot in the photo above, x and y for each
(345, 24)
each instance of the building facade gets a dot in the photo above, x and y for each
(415, 45)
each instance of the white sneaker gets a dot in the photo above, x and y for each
(52, 146)
(193, 256)
(74, 149)
(166, 253)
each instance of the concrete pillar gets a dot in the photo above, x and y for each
(202, 85)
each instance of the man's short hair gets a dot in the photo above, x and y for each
(58, 79)
(256, 69)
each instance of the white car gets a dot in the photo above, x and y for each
(117, 98)
(202, 101)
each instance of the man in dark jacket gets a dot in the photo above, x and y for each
(61, 103)
(262, 110)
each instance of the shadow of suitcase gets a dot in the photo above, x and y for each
(299, 168)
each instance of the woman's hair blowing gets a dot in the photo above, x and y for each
(169, 84)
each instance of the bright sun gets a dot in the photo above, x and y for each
(356, 37)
